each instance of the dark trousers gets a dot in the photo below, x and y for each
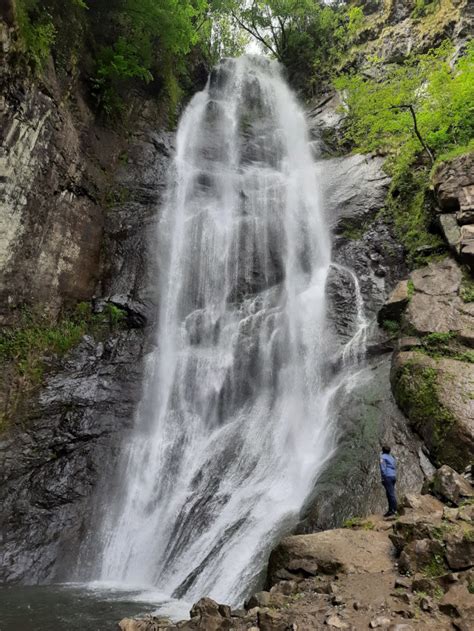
(389, 485)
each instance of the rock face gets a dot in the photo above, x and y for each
(350, 484)
(78, 225)
(432, 383)
(454, 185)
(50, 467)
(51, 221)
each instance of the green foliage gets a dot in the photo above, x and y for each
(37, 31)
(435, 568)
(307, 36)
(442, 98)
(408, 203)
(355, 21)
(467, 290)
(424, 7)
(416, 391)
(358, 522)
(27, 348)
(391, 326)
(438, 339)
(410, 288)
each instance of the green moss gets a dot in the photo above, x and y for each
(435, 568)
(36, 29)
(409, 205)
(391, 326)
(469, 535)
(415, 389)
(467, 356)
(358, 522)
(353, 233)
(410, 288)
(467, 289)
(27, 349)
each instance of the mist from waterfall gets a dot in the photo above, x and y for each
(236, 420)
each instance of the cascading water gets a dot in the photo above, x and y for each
(234, 423)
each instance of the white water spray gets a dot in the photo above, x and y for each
(234, 423)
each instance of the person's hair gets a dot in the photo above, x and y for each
(385, 449)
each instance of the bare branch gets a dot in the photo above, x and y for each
(254, 32)
(411, 109)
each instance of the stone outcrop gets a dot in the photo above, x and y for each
(434, 394)
(330, 552)
(395, 304)
(436, 305)
(454, 185)
(450, 487)
(432, 371)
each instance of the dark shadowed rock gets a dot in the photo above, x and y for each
(395, 304)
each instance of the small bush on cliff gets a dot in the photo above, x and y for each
(37, 31)
(29, 347)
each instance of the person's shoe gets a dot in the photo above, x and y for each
(388, 514)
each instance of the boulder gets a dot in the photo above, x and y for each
(460, 549)
(204, 606)
(450, 486)
(467, 244)
(432, 394)
(148, 623)
(458, 603)
(265, 599)
(416, 504)
(395, 303)
(438, 279)
(454, 184)
(331, 552)
(435, 306)
(418, 554)
(451, 231)
(271, 621)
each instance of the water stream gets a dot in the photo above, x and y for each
(235, 421)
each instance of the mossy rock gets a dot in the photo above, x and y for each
(434, 395)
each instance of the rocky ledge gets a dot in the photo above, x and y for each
(416, 572)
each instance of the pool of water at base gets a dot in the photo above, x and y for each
(81, 607)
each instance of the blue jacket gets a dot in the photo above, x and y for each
(388, 467)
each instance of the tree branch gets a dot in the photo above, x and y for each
(411, 109)
(256, 34)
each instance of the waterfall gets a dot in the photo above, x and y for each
(235, 420)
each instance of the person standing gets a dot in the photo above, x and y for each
(388, 470)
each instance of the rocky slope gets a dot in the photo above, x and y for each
(412, 573)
